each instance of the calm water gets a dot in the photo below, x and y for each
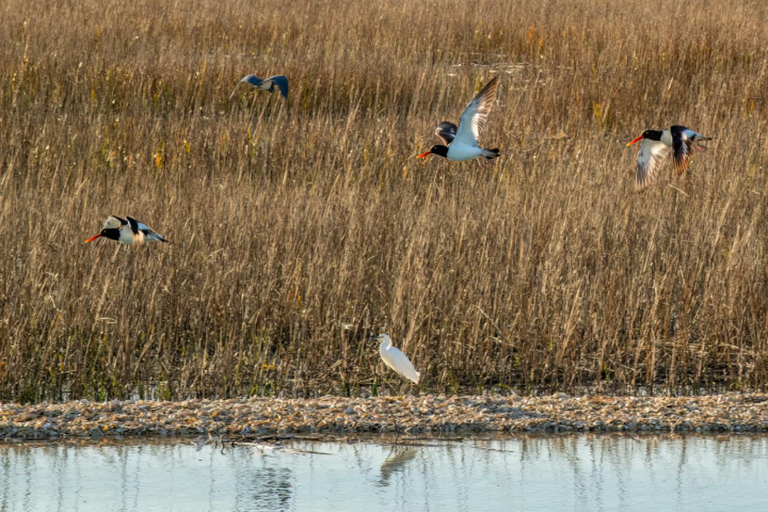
(528, 473)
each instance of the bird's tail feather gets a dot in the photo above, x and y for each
(490, 154)
(158, 237)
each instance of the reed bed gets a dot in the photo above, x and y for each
(300, 227)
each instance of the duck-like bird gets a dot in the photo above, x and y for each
(677, 141)
(127, 231)
(266, 84)
(396, 359)
(461, 141)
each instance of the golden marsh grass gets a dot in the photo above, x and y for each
(300, 227)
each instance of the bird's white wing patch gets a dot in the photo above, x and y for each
(475, 114)
(650, 157)
(114, 222)
(265, 84)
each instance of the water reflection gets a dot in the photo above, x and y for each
(525, 473)
(273, 488)
(398, 457)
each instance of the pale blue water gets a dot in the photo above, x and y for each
(575, 473)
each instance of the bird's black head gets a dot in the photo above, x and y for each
(111, 233)
(440, 150)
(437, 149)
(647, 134)
(652, 134)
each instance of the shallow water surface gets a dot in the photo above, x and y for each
(553, 473)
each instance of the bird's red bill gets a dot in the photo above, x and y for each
(633, 141)
(424, 155)
(94, 237)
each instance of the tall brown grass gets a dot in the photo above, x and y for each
(300, 227)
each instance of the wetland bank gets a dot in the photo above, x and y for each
(274, 418)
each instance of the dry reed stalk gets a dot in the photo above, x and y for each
(301, 226)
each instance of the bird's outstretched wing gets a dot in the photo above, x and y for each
(279, 81)
(251, 79)
(446, 131)
(475, 114)
(682, 143)
(144, 232)
(138, 234)
(650, 157)
(114, 222)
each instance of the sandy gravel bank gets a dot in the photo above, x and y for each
(411, 414)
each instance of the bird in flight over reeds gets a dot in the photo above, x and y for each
(267, 84)
(461, 141)
(127, 231)
(395, 359)
(657, 146)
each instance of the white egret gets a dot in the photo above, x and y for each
(396, 359)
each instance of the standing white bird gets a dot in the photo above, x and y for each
(658, 145)
(395, 359)
(127, 231)
(461, 142)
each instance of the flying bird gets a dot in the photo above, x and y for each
(267, 84)
(127, 231)
(677, 141)
(395, 359)
(461, 141)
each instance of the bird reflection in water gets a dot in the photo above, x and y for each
(399, 457)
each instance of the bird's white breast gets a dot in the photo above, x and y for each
(461, 152)
(126, 235)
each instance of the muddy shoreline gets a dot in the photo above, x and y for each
(428, 414)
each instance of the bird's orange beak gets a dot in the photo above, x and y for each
(94, 237)
(424, 155)
(633, 141)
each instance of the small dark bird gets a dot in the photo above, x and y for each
(461, 142)
(128, 231)
(677, 141)
(267, 84)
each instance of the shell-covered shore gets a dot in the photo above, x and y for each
(429, 414)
